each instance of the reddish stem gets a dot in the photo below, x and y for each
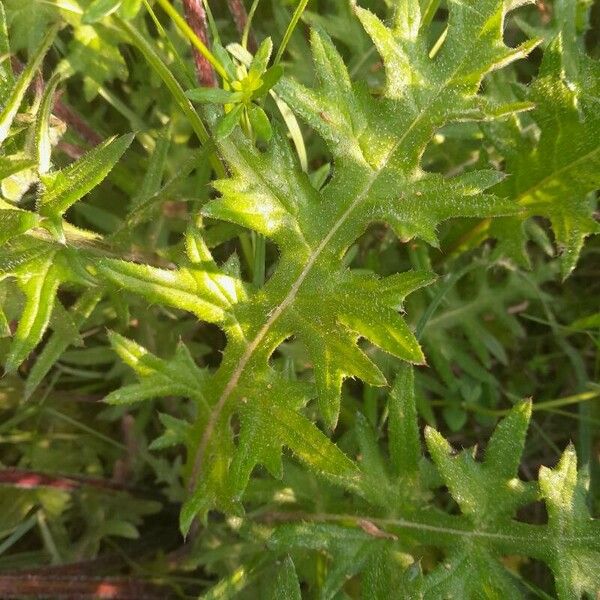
(78, 587)
(24, 479)
(240, 18)
(195, 16)
(62, 110)
(65, 113)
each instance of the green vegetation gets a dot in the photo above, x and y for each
(299, 299)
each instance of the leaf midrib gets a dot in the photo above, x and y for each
(546, 535)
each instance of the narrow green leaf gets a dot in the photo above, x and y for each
(260, 123)
(290, 29)
(589, 322)
(59, 342)
(156, 167)
(206, 294)
(270, 77)
(14, 221)
(18, 91)
(214, 95)
(40, 292)
(261, 59)
(405, 443)
(228, 122)
(42, 126)
(63, 188)
(99, 9)
(286, 585)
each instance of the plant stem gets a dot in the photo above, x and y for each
(196, 17)
(190, 34)
(240, 18)
(290, 29)
(156, 62)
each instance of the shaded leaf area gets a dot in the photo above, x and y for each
(554, 174)
(383, 545)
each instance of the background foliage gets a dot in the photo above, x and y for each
(301, 304)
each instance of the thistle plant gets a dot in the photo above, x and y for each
(267, 285)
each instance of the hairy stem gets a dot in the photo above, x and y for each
(240, 18)
(195, 15)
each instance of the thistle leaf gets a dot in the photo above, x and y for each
(180, 375)
(553, 176)
(573, 537)
(377, 145)
(208, 294)
(487, 491)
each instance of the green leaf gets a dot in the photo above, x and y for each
(261, 59)
(377, 144)
(574, 547)
(493, 489)
(553, 176)
(178, 376)
(206, 292)
(9, 165)
(42, 127)
(14, 100)
(404, 442)
(269, 78)
(63, 188)
(39, 286)
(130, 8)
(176, 432)
(14, 221)
(589, 322)
(215, 95)
(118, 528)
(229, 121)
(286, 585)
(60, 341)
(151, 183)
(260, 123)
(99, 9)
